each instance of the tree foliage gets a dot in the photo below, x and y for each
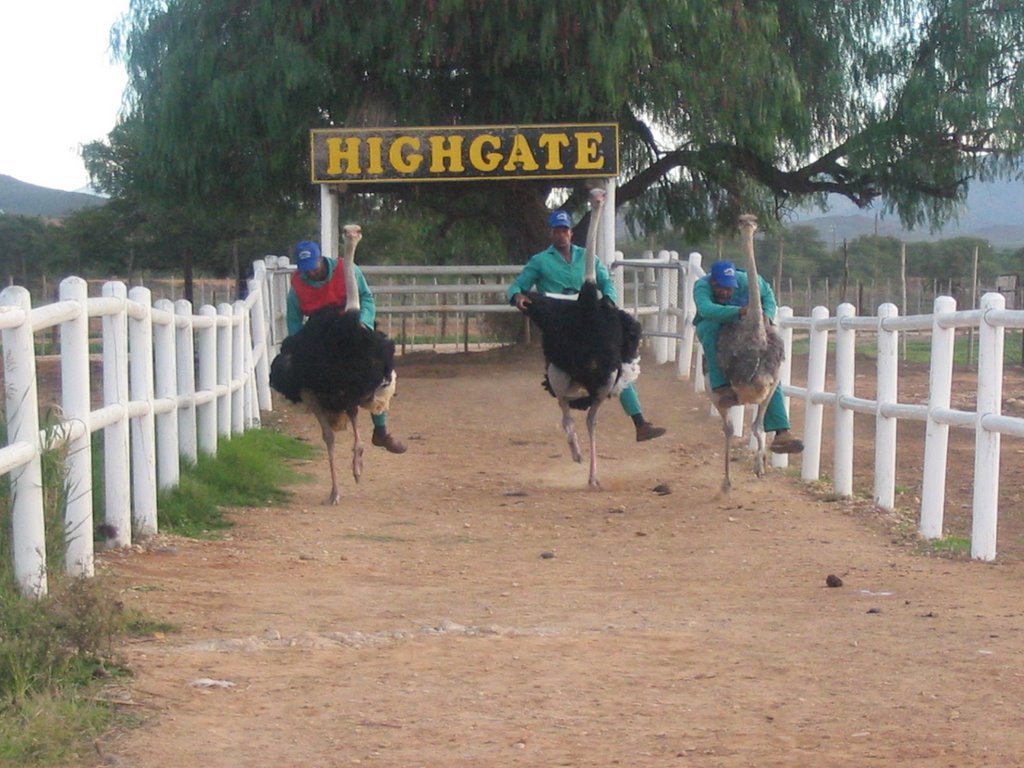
(723, 107)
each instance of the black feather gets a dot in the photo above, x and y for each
(335, 358)
(589, 339)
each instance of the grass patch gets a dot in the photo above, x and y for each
(249, 470)
(955, 546)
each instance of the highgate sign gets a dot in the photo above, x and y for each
(464, 153)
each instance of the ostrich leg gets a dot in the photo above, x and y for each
(592, 432)
(327, 432)
(570, 430)
(357, 445)
(727, 430)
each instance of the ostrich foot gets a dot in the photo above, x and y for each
(334, 498)
(574, 448)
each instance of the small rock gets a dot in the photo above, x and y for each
(874, 610)
(833, 581)
(547, 555)
(662, 489)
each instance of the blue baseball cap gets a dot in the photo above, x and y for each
(560, 219)
(724, 274)
(307, 256)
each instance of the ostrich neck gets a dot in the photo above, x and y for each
(348, 263)
(590, 275)
(755, 315)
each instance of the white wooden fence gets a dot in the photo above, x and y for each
(174, 383)
(203, 376)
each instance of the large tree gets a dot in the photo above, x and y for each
(724, 106)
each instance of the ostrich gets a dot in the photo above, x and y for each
(750, 355)
(335, 365)
(591, 348)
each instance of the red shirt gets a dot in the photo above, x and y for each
(312, 297)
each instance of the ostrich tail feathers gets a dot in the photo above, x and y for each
(380, 402)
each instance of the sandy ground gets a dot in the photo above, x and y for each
(472, 603)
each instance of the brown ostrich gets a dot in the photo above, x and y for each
(750, 355)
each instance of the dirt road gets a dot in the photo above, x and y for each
(472, 603)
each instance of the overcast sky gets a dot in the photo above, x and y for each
(59, 87)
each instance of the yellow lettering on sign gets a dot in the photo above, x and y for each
(588, 151)
(553, 144)
(336, 155)
(375, 144)
(400, 160)
(521, 155)
(446, 154)
(477, 158)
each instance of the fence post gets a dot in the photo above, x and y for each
(686, 361)
(143, 433)
(79, 556)
(986, 443)
(116, 463)
(185, 363)
(886, 393)
(940, 384)
(238, 379)
(781, 460)
(842, 460)
(224, 368)
(206, 352)
(165, 387)
(259, 289)
(662, 291)
(22, 402)
(810, 467)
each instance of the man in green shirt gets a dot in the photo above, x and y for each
(318, 282)
(560, 269)
(721, 297)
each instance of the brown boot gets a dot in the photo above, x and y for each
(384, 439)
(647, 431)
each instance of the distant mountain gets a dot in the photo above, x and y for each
(22, 199)
(994, 211)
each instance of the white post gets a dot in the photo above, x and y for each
(686, 355)
(237, 377)
(116, 463)
(619, 281)
(259, 290)
(185, 363)
(810, 467)
(781, 460)
(165, 387)
(330, 225)
(143, 432)
(886, 393)
(224, 349)
(663, 291)
(842, 469)
(28, 529)
(986, 443)
(279, 315)
(75, 400)
(206, 413)
(936, 441)
(674, 278)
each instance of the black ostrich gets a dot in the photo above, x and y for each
(591, 347)
(336, 365)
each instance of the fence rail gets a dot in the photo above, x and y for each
(174, 382)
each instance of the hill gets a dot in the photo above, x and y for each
(993, 212)
(22, 199)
